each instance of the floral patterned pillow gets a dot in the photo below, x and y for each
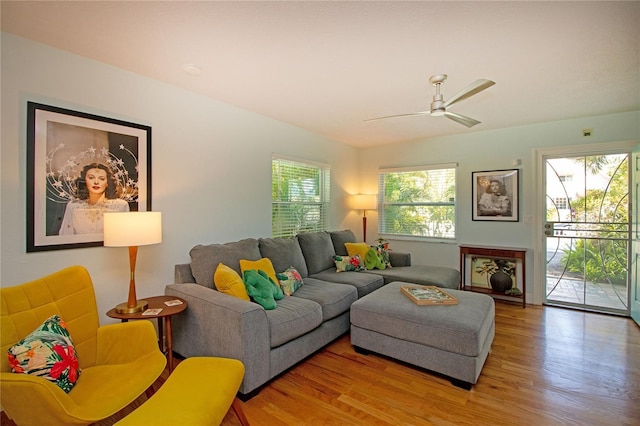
(384, 255)
(349, 263)
(290, 280)
(47, 352)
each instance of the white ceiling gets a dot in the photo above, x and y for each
(327, 66)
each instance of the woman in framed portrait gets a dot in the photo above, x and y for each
(495, 201)
(96, 193)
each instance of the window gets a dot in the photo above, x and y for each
(561, 203)
(300, 197)
(418, 201)
(565, 178)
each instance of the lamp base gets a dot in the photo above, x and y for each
(123, 308)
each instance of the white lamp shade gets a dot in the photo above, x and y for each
(364, 202)
(126, 229)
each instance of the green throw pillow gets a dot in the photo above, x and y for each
(261, 289)
(373, 260)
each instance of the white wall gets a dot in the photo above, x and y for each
(490, 150)
(211, 167)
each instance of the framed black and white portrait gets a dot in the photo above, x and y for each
(80, 166)
(495, 195)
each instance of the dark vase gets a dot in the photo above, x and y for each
(501, 281)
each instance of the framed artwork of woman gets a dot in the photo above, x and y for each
(80, 166)
(495, 195)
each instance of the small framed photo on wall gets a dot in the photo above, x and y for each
(80, 166)
(495, 195)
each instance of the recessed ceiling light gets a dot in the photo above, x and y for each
(192, 69)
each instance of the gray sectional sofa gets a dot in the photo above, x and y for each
(269, 342)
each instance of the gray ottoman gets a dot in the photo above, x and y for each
(453, 340)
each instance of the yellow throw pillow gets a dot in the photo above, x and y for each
(359, 249)
(228, 281)
(263, 264)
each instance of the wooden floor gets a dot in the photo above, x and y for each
(548, 366)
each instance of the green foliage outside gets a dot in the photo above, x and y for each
(419, 203)
(602, 259)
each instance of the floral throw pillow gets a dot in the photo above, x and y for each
(47, 352)
(349, 263)
(383, 253)
(290, 280)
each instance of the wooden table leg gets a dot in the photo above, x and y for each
(167, 329)
(160, 335)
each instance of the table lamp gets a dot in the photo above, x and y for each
(132, 229)
(364, 202)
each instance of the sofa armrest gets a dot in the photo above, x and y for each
(216, 324)
(183, 273)
(399, 258)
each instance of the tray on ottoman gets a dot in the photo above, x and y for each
(453, 340)
(428, 295)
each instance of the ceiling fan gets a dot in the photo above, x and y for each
(439, 106)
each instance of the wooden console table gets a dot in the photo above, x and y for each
(508, 253)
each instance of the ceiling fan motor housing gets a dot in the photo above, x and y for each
(437, 107)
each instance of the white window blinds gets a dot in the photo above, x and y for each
(300, 196)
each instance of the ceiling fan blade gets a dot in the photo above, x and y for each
(465, 121)
(475, 87)
(399, 115)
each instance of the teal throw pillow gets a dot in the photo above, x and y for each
(275, 288)
(261, 289)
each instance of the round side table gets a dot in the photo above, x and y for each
(157, 302)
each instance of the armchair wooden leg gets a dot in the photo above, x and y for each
(236, 405)
(149, 392)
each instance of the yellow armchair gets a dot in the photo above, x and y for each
(123, 357)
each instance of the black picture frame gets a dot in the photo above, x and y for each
(61, 143)
(501, 205)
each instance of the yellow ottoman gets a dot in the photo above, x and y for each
(198, 392)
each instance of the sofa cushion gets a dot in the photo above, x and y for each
(228, 281)
(205, 258)
(318, 251)
(339, 238)
(284, 253)
(363, 282)
(334, 299)
(293, 317)
(439, 276)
